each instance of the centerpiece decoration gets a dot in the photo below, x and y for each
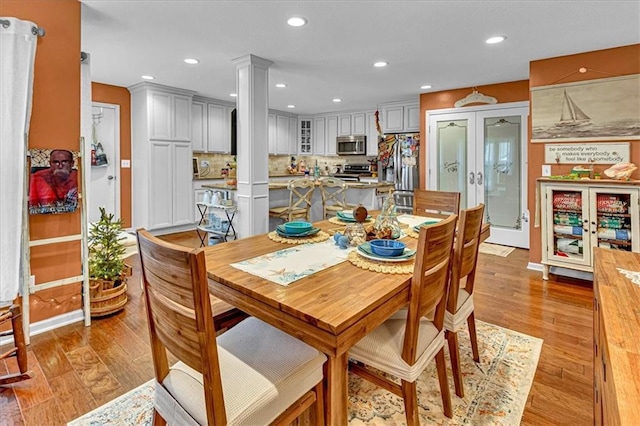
(386, 225)
(107, 278)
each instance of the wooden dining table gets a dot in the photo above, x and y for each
(330, 310)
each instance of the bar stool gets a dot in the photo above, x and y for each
(300, 193)
(334, 196)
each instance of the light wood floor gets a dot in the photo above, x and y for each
(80, 368)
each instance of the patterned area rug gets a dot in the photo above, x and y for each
(496, 389)
(495, 249)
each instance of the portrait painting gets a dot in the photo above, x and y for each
(597, 110)
(53, 181)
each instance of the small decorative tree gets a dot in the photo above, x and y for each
(106, 248)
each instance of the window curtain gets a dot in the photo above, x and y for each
(17, 57)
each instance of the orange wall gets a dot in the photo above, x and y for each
(55, 123)
(120, 96)
(606, 63)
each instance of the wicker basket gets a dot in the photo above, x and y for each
(106, 299)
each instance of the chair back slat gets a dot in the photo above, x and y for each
(430, 280)
(465, 255)
(300, 193)
(179, 314)
(333, 191)
(427, 201)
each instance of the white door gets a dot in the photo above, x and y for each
(481, 153)
(103, 179)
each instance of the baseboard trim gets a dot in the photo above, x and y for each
(565, 272)
(49, 324)
(534, 266)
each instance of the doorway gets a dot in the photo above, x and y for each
(104, 175)
(481, 153)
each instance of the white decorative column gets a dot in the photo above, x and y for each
(252, 85)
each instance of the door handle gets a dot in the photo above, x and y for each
(480, 179)
(525, 218)
(111, 177)
(472, 178)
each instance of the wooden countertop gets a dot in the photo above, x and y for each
(353, 185)
(619, 302)
(590, 181)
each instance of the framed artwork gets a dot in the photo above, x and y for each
(597, 110)
(53, 181)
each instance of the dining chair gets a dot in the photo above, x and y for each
(13, 315)
(334, 196)
(299, 207)
(403, 346)
(251, 374)
(427, 201)
(460, 301)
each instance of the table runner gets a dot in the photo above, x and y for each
(291, 264)
(413, 220)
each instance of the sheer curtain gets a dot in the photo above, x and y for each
(17, 56)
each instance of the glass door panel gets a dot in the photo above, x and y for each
(452, 157)
(569, 227)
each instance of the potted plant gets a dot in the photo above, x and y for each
(108, 283)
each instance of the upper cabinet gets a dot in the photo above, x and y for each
(170, 114)
(331, 135)
(401, 117)
(282, 134)
(305, 136)
(319, 136)
(211, 125)
(352, 124)
(372, 134)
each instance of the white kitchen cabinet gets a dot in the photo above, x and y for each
(412, 117)
(162, 170)
(219, 128)
(332, 134)
(293, 136)
(282, 135)
(319, 136)
(304, 147)
(401, 117)
(358, 123)
(344, 125)
(170, 115)
(580, 215)
(198, 126)
(170, 181)
(271, 133)
(372, 134)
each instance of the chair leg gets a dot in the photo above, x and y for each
(454, 352)
(20, 349)
(320, 403)
(410, 396)
(158, 420)
(444, 384)
(471, 322)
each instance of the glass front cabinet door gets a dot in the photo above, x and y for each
(579, 216)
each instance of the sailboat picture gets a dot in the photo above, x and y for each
(597, 110)
(572, 115)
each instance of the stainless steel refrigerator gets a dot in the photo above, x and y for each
(398, 163)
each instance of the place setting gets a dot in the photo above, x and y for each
(297, 232)
(346, 216)
(383, 255)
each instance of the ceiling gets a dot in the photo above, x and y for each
(440, 43)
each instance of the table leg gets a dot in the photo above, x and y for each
(336, 388)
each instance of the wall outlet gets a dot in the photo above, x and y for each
(125, 164)
(204, 163)
(546, 170)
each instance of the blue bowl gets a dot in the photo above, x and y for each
(297, 227)
(388, 248)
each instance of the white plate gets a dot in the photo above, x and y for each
(384, 259)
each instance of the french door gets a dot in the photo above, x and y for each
(481, 153)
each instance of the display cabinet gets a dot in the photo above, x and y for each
(580, 215)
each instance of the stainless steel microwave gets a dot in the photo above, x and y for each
(351, 145)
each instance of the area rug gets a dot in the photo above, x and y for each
(495, 249)
(496, 389)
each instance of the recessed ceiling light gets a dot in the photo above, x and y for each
(495, 39)
(337, 100)
(291, 106)
(191, 61)
(281, 85)
(426, 86)
(147, 77)
(297, 21)
(233, 95)
(380, 64)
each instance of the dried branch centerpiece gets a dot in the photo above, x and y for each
(107, 280)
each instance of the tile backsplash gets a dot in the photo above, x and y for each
(278, 164)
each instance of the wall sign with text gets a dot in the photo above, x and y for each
(587, 153)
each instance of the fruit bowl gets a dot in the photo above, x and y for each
(387, 248)
(297, 227)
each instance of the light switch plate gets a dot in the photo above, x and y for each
(546, 170)
(125, 164)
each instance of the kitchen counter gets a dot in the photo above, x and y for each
(350, 185)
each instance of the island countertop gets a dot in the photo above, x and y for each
(380, 186)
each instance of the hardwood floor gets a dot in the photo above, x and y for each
(80, 368)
